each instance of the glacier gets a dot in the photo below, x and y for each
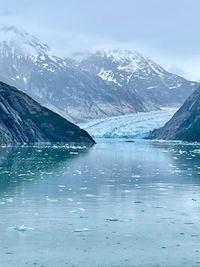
(133, 126)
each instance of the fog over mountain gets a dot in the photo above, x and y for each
(97, 85)
(158, 29)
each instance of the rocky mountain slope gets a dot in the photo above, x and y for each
(58, 83)
(101, 85)
(23, 120)
(129, 72)
(185, 124)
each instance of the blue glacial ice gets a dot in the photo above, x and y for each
(22, 228)
(135, 126)
(81, 230)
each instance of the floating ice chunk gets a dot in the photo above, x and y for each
(9, 200)
(62, 186)
(82, 230)
(112, 219)
(51, 199)
(22, 228)
(160, 207)
(82, 209)
(125, 191)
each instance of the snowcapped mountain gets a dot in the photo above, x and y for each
(100, 85)
(20, 54)
(59, 83)
(20, 43)
(129, 71)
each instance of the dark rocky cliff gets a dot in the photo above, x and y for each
(23, 120)
(185, 124)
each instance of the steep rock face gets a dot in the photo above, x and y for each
(185, 124)
(81, 96)
(59, 83)
(23, 120)
(131, 72)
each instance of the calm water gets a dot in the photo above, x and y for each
(134, 204)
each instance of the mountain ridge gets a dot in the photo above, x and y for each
(24, 121)
(185, 124)
(78, 92)
(135, 72)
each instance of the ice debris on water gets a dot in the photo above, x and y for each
(51, 199)
(22, 228)
(82, 230)
(62, 186)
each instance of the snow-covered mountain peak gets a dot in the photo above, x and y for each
(118, 54)
(21, 55)
(128, 71)
(14, 41)
(119, 66)
(123, 60)
(89, 85)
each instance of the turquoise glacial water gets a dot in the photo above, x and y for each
(116, 204)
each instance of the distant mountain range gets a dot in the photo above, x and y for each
(185, 124)
(98, 85)
(24, 121)
(132, 72)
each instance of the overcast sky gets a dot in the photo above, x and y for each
(166, 31)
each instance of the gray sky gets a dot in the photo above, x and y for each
(166, 31)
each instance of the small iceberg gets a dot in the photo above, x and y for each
(81, 230)
(51, 199)
(22, 228)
